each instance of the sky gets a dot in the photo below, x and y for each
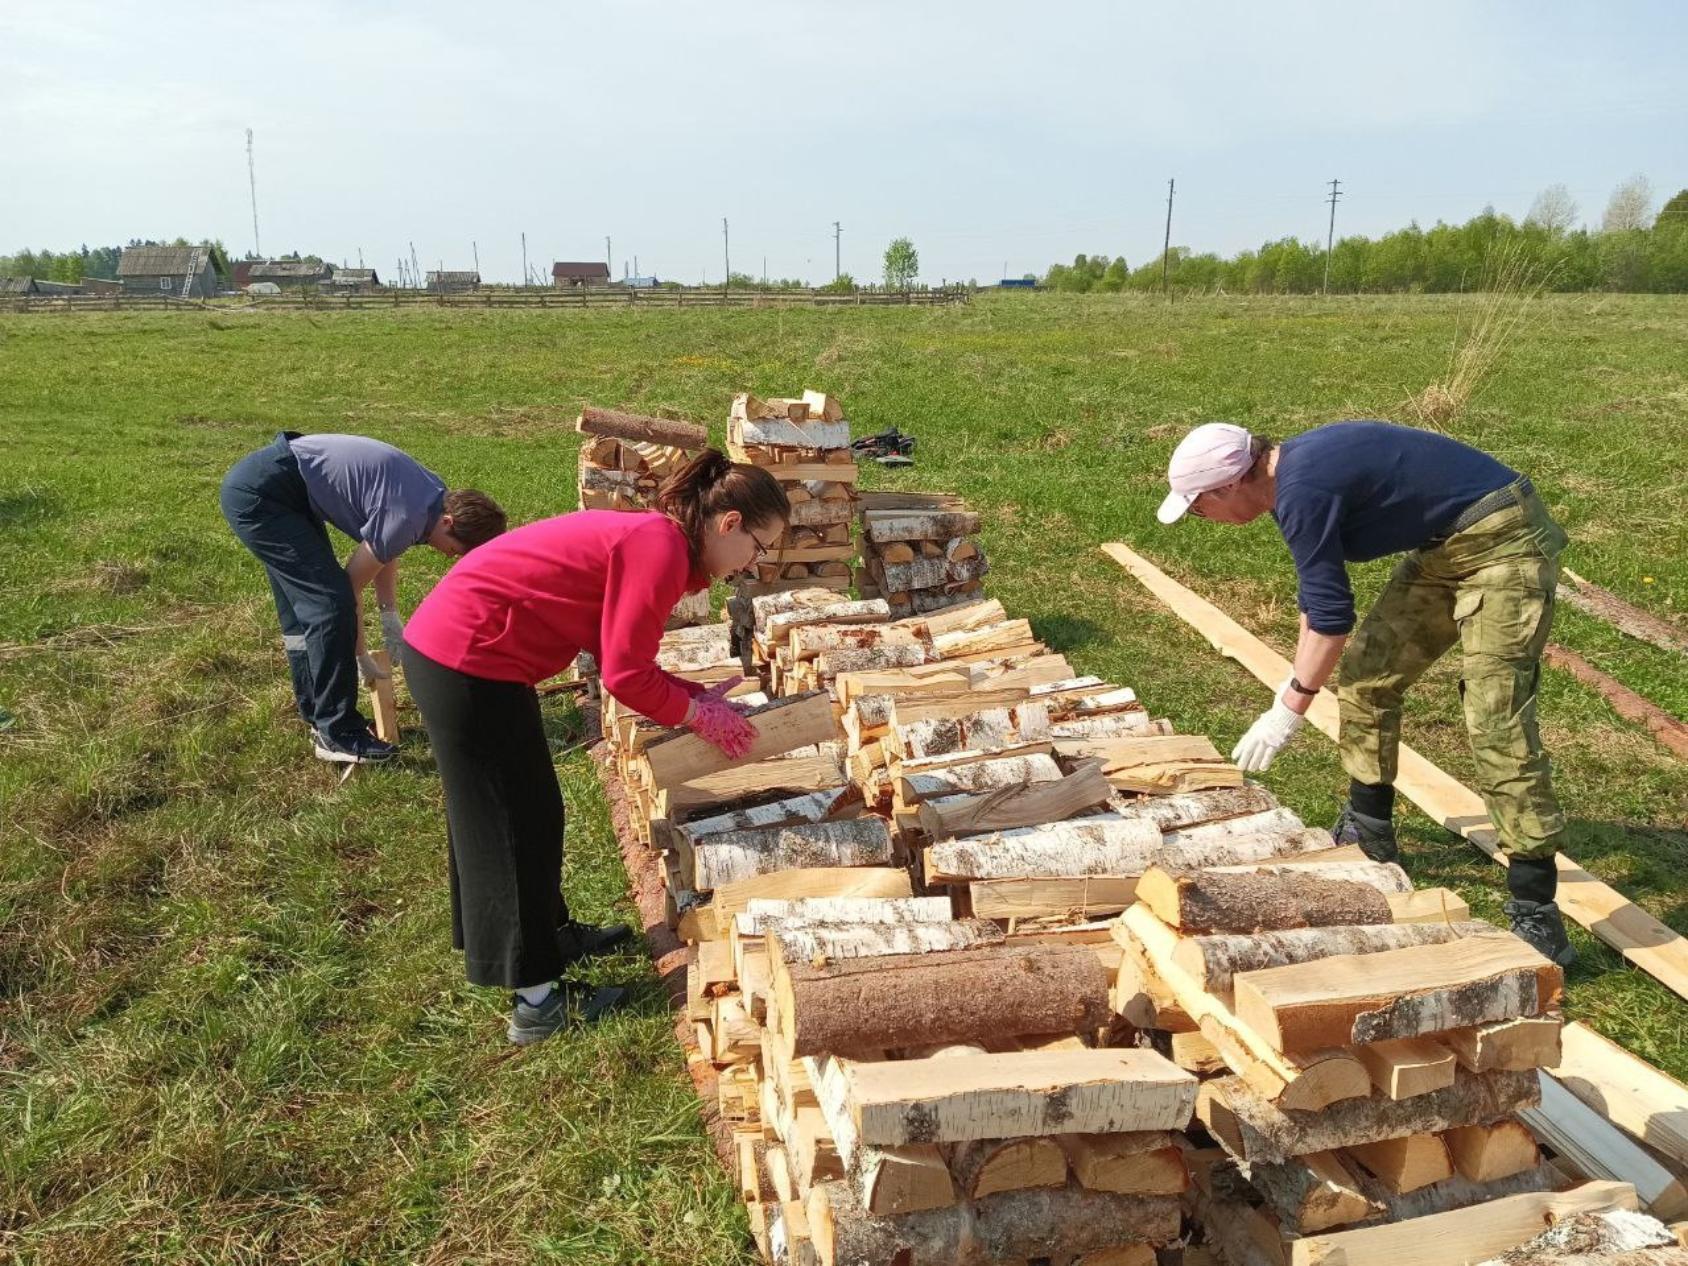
(994, 135)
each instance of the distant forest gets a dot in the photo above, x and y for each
(1633, 250)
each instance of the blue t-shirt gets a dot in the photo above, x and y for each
(371, 491)
(1355, 491)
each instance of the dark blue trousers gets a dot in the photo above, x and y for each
(265, 502)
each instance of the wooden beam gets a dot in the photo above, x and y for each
(1650, 1104)
(1637, 935)
(382, 701)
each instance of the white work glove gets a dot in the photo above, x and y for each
(1256, 750)
(392, 635)
(369, 670)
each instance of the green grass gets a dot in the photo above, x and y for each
(231, 1024)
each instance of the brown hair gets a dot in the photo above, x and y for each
(475, 517)
(1259, 447)
(711, 484)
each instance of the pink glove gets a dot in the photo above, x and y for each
(720, 723)
(696, 688)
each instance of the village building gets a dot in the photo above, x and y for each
(565, 275)
(453, 281)
(187, 272)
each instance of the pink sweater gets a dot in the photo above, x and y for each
(520, 607)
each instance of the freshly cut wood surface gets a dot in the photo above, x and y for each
(1484, 1153)
(791, 774)
(1397, 993)
(1307, 1081)
(985, 1167)
(1255, 1129)
(382, 701)
(1215, 960)
(1143, 1161)
(984, 775)
(1406, 1066)
(780, 726)
(917, 999)
(764, 912)
(1231, 901)
(811, 640)
(895, 1180)
(1079, 897)
(1429, 905)
(1460, 1235)
(1515, 1045)
(1406, 1163)
(952, 1100)
(1628, 1091)
(1008, 1227)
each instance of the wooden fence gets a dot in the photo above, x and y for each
(562, 300)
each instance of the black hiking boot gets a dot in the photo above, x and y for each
(1541, 925)
(1375, 836)
(587, 940)
(566, 1005)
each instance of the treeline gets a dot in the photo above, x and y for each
(1635, 257)
(88, 261)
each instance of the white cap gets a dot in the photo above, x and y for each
(1209, 457)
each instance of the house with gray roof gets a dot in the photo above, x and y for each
(186, 272)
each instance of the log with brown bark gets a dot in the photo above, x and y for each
(1211, 901)
(957, 996)
(637, 426)
(1313, 1193)
(1011, 1226)
(1253, 1129)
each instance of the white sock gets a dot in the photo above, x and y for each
(533, 995)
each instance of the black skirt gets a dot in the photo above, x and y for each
(504, 823)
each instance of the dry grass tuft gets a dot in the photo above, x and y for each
(1510, 283)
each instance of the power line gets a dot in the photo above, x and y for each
(1330, 236)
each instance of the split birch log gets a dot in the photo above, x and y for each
(1397, 993)
(789, 774)
(1486, 1153)
(807, 942)
(959, 1098)
(822, 881)
(871, 659)
(984, 775)
(1406, 1066)
(1009, 1227)
(1215, 901)
(884, 526)
(1144, 1162)
(636, 426)
(928, 573)
(780, 625)
(810, 640)
(780, 726)
(912, 1000)
(1406, 1163)
(733, 855)
(1458, 1192)
(815, 806)
(1022, 805)
(383, 702)
(1513, 1045)
(976, 641)
(981, 730)
(1172, 813)
(985, 1167)
(1345, 862)
(1253, 1129)
(1125, 722)
(1276, 820)
(1215, 960)
(765, 912)
(784, 433)
(1313, 1193)
(897, 1180)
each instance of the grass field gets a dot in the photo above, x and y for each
(231, 1025)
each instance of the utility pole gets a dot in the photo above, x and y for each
(726, 257)
(476, 247)
(609, 258)
(415, 268)
(252, 184)
(527, 278)
(1330, 236)
(837, 234)
(764, 272)
(360, 259)
(1166, 247)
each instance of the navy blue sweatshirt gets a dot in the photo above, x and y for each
(1355, 491)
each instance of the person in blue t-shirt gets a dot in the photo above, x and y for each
(1481, 568)
(279, 501)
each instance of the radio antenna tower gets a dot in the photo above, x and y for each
(252, 184)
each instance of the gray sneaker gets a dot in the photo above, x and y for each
(568, 1004)
(1543, 927)
(1375, 836)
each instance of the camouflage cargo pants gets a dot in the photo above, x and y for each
(1489, 587)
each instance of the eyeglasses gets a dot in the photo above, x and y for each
(763, 549)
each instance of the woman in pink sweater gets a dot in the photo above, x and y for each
(517, 611)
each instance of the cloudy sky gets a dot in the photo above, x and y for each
(990, 133)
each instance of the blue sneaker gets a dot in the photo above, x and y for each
(353, 749)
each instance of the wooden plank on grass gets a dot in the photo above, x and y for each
(382, 701)
(1601, 1150)
(1628, 1091)
(1607, 913)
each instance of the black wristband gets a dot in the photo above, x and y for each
(1295, 685)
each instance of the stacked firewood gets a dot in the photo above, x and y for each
(804, 442)
(919, 551)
